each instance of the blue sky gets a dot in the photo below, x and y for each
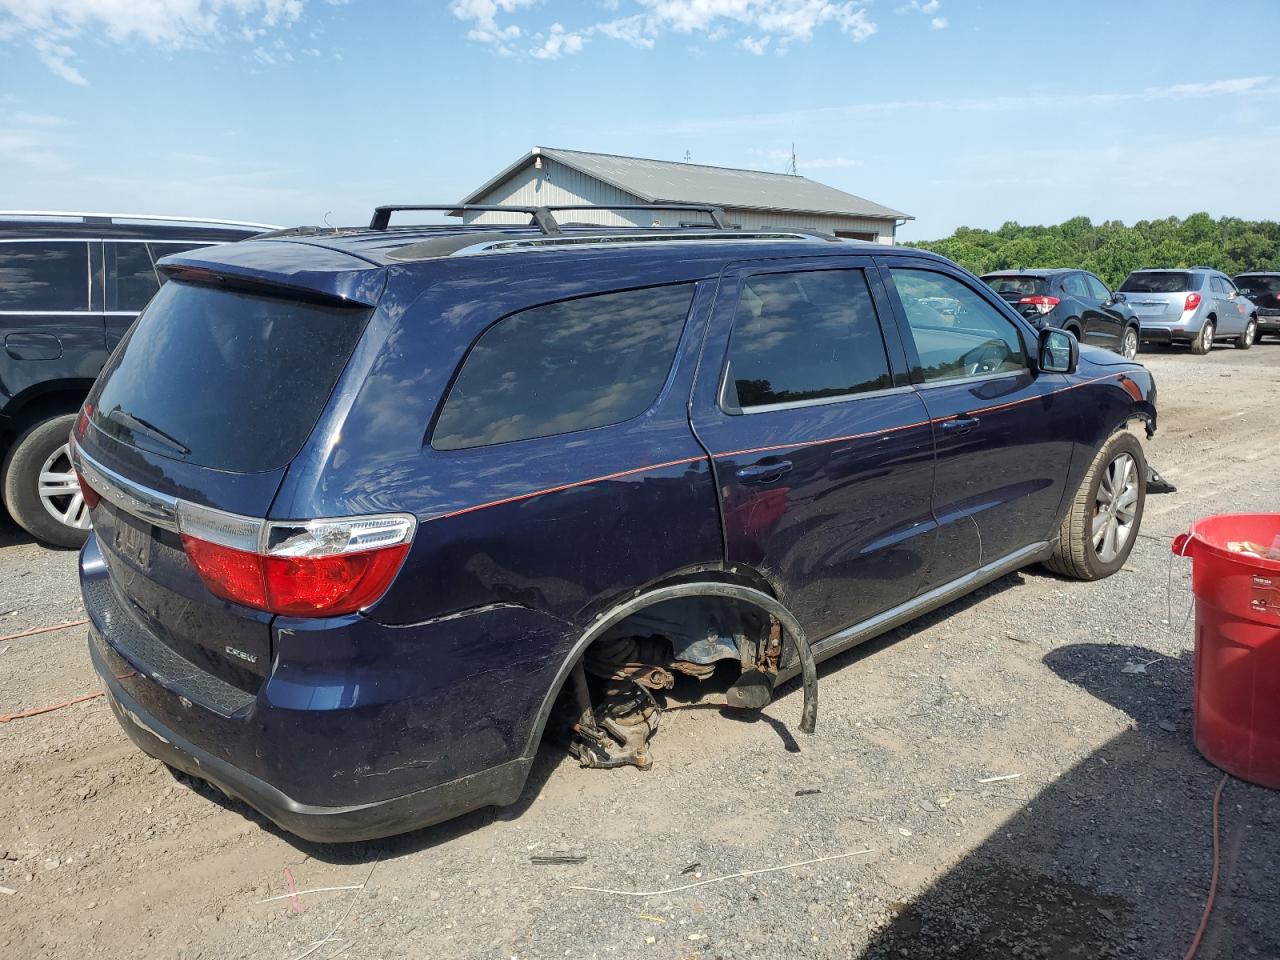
(959, 112)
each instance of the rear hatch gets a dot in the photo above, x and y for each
(1160, 295)
(1027, 294)
(1262, 289)
(206, 402)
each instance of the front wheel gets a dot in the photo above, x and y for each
(40, 487)
(1246, 339)
(1129, 346)
(1104, 517)
(1203, 343)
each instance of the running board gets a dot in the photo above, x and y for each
(871, 628)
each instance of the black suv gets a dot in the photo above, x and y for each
(71, 284)
(1263, 288)
(1074, 300)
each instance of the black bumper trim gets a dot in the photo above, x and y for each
(499, 786)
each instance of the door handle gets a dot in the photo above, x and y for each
(960, 425)
(766, 471)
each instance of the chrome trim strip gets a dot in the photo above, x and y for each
(50, 313)
(146, 217)
(590, 242)
(818, 401)
(871, 628)
(133, 498)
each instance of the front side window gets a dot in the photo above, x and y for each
(44, 275)
(565, 366)
(1074, 284)
(957, 333)
(804, 336)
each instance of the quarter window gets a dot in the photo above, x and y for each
(565, 366)
(956, 332)
(131, 278)
(804, 336)
(47, 275)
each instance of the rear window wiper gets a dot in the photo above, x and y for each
(138, 425)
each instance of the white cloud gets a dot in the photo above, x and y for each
(483, 16)
(34, 140)
(754, 45)
(558, 43)
(51, 26)
(938, 23)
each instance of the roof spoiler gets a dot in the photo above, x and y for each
(541, 217)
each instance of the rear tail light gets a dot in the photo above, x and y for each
(302, 568)
(1193, 301)
(91, 496)
(82, 423)
(1042, 304)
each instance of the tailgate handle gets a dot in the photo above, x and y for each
(764, 471)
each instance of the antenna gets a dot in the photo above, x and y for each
(688, 157)
(791, 167)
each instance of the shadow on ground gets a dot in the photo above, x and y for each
(1113, 858)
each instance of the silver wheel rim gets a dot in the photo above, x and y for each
(1130, 345)
(1249, 333)
(1208, 335)
(60, 490)
(1115, 508)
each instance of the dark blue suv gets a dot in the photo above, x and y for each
(374, 508)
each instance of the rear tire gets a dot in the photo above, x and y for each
(41, 450)
(1104, 517)
(1203, 342)
(1250, 335)
(1129, 345)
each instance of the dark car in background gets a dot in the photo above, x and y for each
(70, 286)
(1072, 300)
(1263, 288)
(363, 507)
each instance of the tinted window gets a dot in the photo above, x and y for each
(1218, 286)
(1097, 289)
(1074, 285)
(44, 276)
(1257, 285)
(1158, 282)
(223, 378)
(1011, 288)
(565, 366)
(131, 279)
(805, 336)
(956, 332)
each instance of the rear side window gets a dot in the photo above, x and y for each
(131, 277)
(1075, 286)
(804, 336)
(45, 275)
(1159, 282)
(1097, 289)
(224, 378)
(957, 333)
(565, 366)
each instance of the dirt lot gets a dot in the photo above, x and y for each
(1100, 846)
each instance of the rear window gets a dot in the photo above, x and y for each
(1022, 286)
(1158, 282)
(1252, 285)
(565, 366)
(224, 378)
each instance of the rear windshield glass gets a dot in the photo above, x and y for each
(1253, 285)
(1022, 286)
(1162, 282)
(223, 378)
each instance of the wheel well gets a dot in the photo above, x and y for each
(51, 401)
(1072, 326)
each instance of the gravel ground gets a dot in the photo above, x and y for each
(1098, 847)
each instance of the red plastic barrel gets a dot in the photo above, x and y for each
(1237, 667)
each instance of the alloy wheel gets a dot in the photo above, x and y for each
(60, 490)
(1115, 508)
(1130, 347)
(1250, 333)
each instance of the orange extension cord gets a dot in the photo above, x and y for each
(1213, 882)
(7, 717)
(37, 630)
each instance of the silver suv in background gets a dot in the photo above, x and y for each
(1196, 305)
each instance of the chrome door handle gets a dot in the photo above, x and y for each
(766, 471)
(960, 425)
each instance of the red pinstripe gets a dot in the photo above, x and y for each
(779, 446)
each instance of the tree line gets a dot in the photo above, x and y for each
(1111, 250)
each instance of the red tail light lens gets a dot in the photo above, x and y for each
(1041, 303)
(82, 423)
(305, 568)
(1193, 301)
(91, 496)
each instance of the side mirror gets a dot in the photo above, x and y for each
(1119, 297)
(1059, 351)
(1232, 294)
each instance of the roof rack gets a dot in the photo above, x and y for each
(114, 217)
(541, 217)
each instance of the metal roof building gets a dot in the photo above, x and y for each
(752, 199)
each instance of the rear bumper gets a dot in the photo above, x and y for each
(499, 785)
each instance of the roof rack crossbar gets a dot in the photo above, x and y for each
(541, 216)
